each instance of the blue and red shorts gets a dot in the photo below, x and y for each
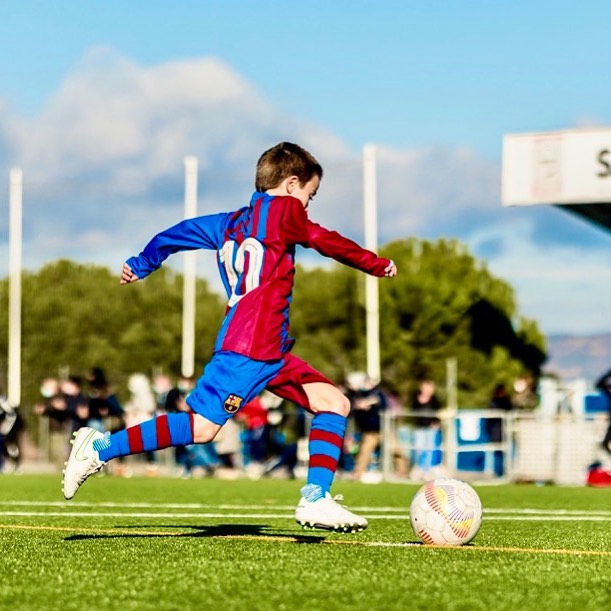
(231, 380)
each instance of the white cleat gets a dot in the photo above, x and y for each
(326, 513)
(83, 460)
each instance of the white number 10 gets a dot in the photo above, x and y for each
(234, 265)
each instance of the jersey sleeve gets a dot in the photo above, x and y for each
(293, 220)
(205, 232)
(336, 246)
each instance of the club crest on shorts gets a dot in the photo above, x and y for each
(233, 404)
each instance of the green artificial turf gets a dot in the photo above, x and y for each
(164, 543)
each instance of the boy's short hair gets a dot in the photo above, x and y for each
(282, 161)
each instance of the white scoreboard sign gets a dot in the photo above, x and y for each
(564, 167)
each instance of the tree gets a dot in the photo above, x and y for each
(75, 317)
(443, 304)
(328, 320)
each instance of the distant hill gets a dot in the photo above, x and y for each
(579, 356)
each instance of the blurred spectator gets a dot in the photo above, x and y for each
(11, 427)
(604, 385)
(77, 403)
(598, 476)
(195, 459)
(142, 404)
(55, 408)
(140, 407)
(228, 448)
(284, 438)
(105, 410)
(525, 394)
(500, 400)
(427, 434)
(175, 402)
(425, 401)
(253, 415)
(162, 386)
(367, 402)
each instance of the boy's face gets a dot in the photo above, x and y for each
(306, 192)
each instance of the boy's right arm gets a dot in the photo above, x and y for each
(191, 234)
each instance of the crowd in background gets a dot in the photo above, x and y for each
(267, 437)
(263, 439)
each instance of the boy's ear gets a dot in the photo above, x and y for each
(291, 183)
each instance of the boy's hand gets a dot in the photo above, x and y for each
(127, 276)
(391, 270)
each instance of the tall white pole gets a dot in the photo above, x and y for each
(452, 383)
(14, 316)
(188, 298)
(370, 206)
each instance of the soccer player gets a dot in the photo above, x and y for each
(256, 256)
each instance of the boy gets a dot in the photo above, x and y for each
(256, 253)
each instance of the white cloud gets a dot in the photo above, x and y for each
(566, 288)
(103, 172)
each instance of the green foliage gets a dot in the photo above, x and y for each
(75, 317)
(328, 320)
(440, 304)
(444, 304)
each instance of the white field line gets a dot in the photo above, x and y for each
(257, 516)
(488, 512)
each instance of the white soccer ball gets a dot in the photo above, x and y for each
(446, 512)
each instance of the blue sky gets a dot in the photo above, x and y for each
(86, 109)
(405, 73)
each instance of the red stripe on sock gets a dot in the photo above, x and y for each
(322, 460)
(318, 435)
(164, 440)
(134, 437)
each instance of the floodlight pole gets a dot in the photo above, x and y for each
(15, 263)
(370, 207)
(188, 299)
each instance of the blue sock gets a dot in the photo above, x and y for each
(325, 446)
(155, 434)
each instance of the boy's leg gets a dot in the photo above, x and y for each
(175, 429)
(327, 431)
(229, 381)
(317, 508)
(300, 383)
(91, 450)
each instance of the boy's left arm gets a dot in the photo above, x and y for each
(334, 245)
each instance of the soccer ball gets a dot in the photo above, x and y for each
(446, 512)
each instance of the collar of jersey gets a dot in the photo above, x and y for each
(257, 195)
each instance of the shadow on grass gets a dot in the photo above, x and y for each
(229, 531)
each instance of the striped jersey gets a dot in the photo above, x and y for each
(256, 256)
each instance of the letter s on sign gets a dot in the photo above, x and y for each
(607, 166)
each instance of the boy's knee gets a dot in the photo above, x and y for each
(335, 402)
(204, 431)
(344, 405)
